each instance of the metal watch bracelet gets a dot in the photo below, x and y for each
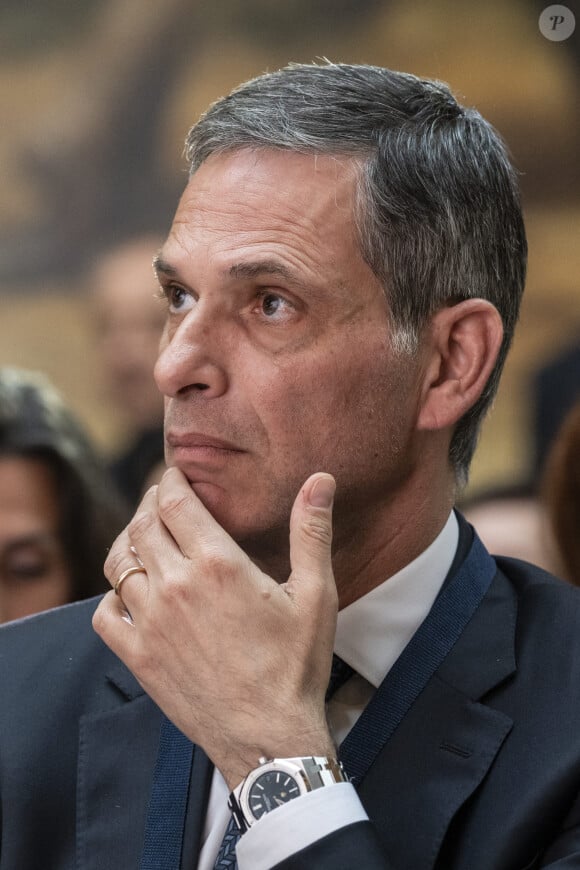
(308, 774)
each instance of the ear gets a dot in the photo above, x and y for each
(463, 343)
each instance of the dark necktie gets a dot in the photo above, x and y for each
(339, 674)
(226, 859)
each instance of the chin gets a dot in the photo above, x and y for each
(231, 516)
(254, 531)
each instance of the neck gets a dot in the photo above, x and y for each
(386, 542)
(371, 542)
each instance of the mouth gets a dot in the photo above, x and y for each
(195, 440)
(197, 448)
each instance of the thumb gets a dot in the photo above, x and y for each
(311, 530)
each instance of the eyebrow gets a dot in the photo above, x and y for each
(238, 270)
(161, 265)
(261, 267)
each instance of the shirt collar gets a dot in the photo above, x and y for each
(373, 631)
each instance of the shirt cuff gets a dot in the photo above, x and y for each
(297, 824)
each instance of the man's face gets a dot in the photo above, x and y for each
(276, 358)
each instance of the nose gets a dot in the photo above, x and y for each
(189, 361)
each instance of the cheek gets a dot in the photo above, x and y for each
(52, 592)
(28, 597)
(345, 416)
(317, 398)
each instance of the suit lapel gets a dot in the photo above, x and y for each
(117, 753)
(447, 742)
(201, 779)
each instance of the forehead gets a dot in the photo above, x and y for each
(27, 488)
(296, 179)
(275, 198)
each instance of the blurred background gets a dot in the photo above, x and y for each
(96, 99)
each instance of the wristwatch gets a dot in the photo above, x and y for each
(279, 780)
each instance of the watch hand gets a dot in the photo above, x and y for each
(278, 801)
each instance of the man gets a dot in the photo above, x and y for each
(342, 279)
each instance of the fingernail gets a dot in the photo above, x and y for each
(322, 493)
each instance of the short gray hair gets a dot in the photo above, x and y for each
(438, 208)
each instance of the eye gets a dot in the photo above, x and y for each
(178, 300)
(26, 563)
(275, 307)
(27, 570)
(271, 304)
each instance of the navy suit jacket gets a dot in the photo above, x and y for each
(483, 773)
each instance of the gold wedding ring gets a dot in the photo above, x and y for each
(134, 569)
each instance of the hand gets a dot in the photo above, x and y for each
(237, 661)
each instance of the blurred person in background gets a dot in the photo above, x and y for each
(59, 511)
(561, 494)
(538, 518)
(129, 318)
(555, 389)
(511, 520)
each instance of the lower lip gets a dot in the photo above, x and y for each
(202, 454)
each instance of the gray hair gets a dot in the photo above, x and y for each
(438, 210)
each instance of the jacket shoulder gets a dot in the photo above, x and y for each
(65, 628)
(53, 661)
(530, 581)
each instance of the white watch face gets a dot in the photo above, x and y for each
(271, 789)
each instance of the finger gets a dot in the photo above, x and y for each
(148, 543)
(114, 626)
(123, 577)
(123, 553)
(311, 532)
(311, 584)
(130, 587)
(125, 569)
(118, 558)
(186, 517)
(205, 549)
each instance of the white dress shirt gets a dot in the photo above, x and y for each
(371, 634)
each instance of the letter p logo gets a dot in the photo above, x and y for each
(557, 23)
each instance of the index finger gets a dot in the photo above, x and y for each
(186, 519)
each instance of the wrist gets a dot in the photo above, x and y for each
(235, 769)
(277, 781)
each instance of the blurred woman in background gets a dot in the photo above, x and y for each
(561, 494)
(59, 511)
